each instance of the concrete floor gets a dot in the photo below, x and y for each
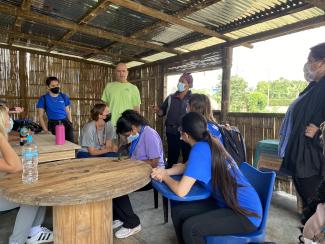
(281, 227)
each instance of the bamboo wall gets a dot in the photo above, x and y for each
(22, 82)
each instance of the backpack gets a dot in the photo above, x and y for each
(233, 143)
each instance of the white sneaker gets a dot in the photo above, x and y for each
(116, 224)
(125, 232)
(43, 236)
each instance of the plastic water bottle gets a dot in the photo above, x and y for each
(29, 161)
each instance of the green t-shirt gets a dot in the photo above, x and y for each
(120, 97)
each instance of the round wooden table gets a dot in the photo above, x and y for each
(81, 192)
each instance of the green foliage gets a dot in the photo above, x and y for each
(256, 102)
(238, 94)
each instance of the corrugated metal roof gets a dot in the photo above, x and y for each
(72, 10)
(166, 6)
(276, 23)
(133, 64)
(121, 20)
(127, 50)
(90, 40)
(12, 2)
(6, 20)
(51, 32)
(158, 56)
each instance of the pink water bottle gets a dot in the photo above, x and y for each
(59, 134)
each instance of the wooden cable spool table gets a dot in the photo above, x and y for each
(81, 192)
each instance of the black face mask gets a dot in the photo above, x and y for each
(108, 117)
(55, 90)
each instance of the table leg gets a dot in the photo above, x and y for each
(83, 224)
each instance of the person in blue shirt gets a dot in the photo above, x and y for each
(234, 206)
(56, 105)
(200, 103)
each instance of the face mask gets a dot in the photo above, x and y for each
(55, 90)
(131, 138)
(11, 122)
(309, 76)
(180, 87)
(108, 118)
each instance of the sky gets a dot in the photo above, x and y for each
(283, 56)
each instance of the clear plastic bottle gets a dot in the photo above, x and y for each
(29, 161)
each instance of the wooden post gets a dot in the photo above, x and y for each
(23, 83)
(226, 73)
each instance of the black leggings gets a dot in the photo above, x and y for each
(306, 187)
(195, 220)
(122, 210)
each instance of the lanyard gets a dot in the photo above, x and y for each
(135, 142)
(104, 136)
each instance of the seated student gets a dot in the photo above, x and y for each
(146, 144)
(201, 104)
(234, 207)
(97, 135)
(27, 227)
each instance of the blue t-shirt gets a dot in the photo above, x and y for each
(199, 167)
(215, 132)
(55, 106)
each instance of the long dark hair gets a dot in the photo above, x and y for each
(128, 118)
(201, 104)
(195, 125)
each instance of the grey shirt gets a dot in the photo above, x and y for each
(92, 137)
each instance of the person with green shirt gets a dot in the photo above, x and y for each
(121, 94)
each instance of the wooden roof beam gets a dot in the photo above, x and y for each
(89, 30)
(169, 18)
(317, 3)
(195, 6)
(94, 12)
(25, 6)
(78, 47)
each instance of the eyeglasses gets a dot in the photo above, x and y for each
(322, 129)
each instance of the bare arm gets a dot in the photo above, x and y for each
(68, 110)
(111, 146)
(152, 162)
(180, 188)
(177, 169)
(41, 112)
(94, 152)
(10, 162)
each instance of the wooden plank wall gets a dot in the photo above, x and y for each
(22, 82)
(255, 127)
(150, 81)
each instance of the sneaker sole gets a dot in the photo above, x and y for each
(131, 234)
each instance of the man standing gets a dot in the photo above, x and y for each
(57, 107)
(121, 94)
(174, 108)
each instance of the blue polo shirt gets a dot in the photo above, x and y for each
(215, 132)
(55, 106)
(199, 167)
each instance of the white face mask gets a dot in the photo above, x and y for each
(180, 87)
(11, 125)
(131, 138)
(308, 74)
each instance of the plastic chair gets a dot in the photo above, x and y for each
(196, 193)
(263, 182)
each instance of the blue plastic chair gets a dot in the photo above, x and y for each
(263, 182)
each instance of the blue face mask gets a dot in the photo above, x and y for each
(180, 87)
(11, 122)
(131, 138)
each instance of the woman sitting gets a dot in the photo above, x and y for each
(97, 135)
(145, 142)
(201, 104)
(145, 145)
(27, 227)
(234, 208)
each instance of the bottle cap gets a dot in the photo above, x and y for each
(29, 138)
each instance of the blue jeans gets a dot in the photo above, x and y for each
(81, 154)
